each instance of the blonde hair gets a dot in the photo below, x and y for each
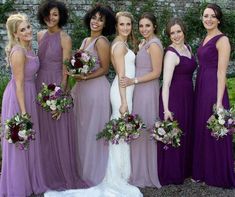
(12, 25)
(131, 37)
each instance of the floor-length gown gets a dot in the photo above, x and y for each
(58, 137)
(115, 182)
(92, 110)
(213, 159)
(21, 173)
(181, 97)
(146, 104)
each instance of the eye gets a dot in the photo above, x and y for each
(148, 25)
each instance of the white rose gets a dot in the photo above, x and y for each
(48, 102)
(157, 124)
(53, 107)
(221, 120)
(161, 131)
(57, 88)
(10, 141)
(73, 61)
(22, 134)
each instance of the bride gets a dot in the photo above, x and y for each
(115, 182)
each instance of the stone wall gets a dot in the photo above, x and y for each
(80, 6)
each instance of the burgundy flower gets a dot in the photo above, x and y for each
(45, 98)
(14, 133)
(78, 64)
(51, 86)
(78, 54)
(137, 126)
(130, 118)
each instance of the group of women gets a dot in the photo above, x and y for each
(66, 159)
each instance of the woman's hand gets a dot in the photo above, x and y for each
(219, 106)
(78, 77)
(125, 81)
(168, 115)
(56, 115)
(123, 109)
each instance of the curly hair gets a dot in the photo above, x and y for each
(107, 13)
(45, 8)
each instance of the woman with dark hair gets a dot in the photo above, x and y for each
(213, 159)
(58, 137)
(146, 102)
(91, 96)
(176, 103)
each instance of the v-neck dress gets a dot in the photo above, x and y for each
(92, 111)
(213, 159)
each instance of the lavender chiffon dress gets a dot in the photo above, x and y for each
(146, 104)
(58, 137)
(21, 173)
(92, 109)
(213, 159)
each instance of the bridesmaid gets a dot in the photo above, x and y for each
(21, 173)
(145, 102)
(176, 102)
(91, 96)
(213, 159)
(58, 136)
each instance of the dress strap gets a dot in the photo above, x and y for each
(116, 43)
(172, 49)
(156, 41)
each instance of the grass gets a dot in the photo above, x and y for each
(231, 90)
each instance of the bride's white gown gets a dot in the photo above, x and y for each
(115, 182)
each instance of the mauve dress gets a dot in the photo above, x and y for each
(58, 137)
(92, 109)
(21, 173)
(213, 159)
(146, 104)
(174, 164)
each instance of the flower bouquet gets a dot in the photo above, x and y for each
(18, 130)
(167, 132)
(127, 128)
(81, 63)
(52, 98)
(221, 122)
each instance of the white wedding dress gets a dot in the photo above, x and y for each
(115, 182)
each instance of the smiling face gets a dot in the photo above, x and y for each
(146, 28)
(209, 19)
(53, 19)
(176, 35)
(97, 22)
(24, 32)
(124, 26)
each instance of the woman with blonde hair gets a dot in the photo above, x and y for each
(21, 170)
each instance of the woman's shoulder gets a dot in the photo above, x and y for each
(40, 34)
(118, 47)
(155, 41)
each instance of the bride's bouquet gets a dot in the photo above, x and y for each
(221, 122)
(19, 131)
(53, 99)
(167, 132)
(82, 62)
(127, 128)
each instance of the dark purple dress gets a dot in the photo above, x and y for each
(174, 164)
(213, 159)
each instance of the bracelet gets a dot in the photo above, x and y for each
(135, 80)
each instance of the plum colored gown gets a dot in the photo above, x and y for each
(21, 173)
(174, 164)
(213, 161)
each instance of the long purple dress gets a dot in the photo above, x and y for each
(58, 137)
(213, 159)
(146, 104)
(21, 173)
(174, 164)
(92, 109)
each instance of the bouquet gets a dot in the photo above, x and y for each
(221, 122)
(127, 128)
(52, 98)
(167, 132)
(18, 130)
(81, 63)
